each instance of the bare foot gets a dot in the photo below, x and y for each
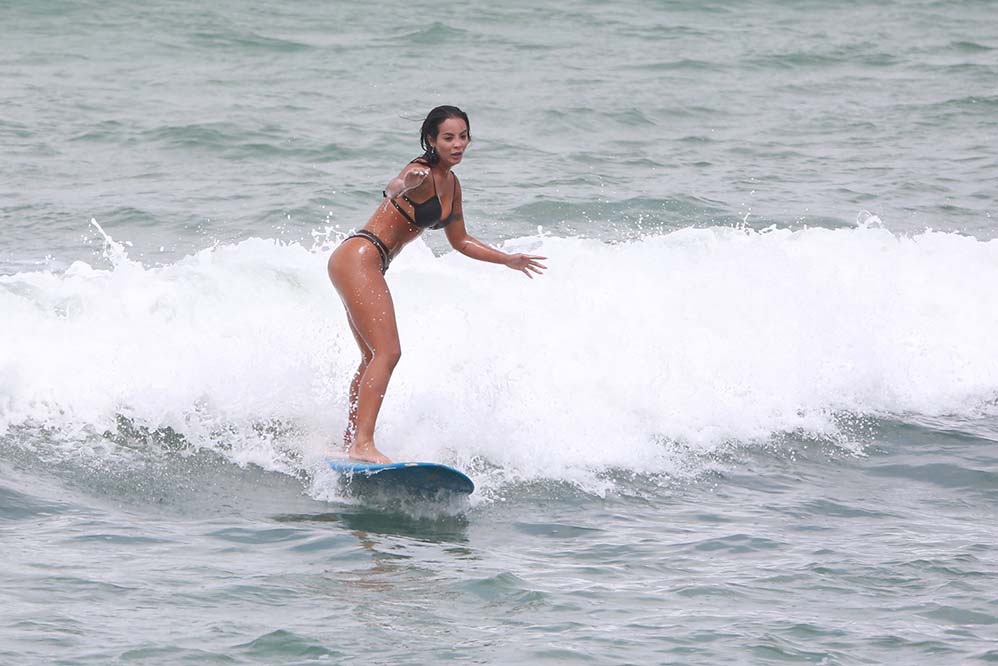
(367, 452)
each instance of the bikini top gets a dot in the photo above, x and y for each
(426, 214)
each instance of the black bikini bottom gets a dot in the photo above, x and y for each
(386, 256)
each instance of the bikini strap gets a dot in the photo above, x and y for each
(402, 210)
(434, 184)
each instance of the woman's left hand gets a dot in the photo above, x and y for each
(526, 263)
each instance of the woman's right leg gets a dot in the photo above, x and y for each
(356, 274)
(365, 358)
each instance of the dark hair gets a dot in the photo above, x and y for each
(431, 127)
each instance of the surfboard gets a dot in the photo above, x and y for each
(418, 477)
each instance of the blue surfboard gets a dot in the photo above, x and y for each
(418, 477)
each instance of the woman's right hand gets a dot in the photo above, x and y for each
(414, 177)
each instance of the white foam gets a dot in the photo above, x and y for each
(630, 356)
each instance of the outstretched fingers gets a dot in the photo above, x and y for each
(533, 264)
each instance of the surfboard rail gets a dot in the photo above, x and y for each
(412, 476)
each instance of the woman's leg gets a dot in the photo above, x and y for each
(366, 356)
(355, 271)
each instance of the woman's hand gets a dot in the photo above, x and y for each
(526, 263)
(414, 178)
(405, 181)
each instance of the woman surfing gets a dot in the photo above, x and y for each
(415, 200)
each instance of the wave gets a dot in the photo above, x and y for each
(633, 356)
(231, 141)
(248, 42)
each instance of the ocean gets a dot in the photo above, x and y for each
(748, 416)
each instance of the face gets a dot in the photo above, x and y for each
(452, 139)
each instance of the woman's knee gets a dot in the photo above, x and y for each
(389, 355)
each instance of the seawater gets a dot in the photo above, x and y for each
(749, 415)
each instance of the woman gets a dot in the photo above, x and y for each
(415, 200)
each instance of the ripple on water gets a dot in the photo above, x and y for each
(15, 505)
(505, 588)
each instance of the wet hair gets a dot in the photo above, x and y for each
(431, 127)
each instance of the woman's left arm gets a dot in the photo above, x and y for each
(470, 246)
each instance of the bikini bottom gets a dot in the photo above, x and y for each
(386, 256)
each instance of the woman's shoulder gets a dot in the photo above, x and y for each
(418, 163)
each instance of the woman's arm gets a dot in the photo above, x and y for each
(410, 178)
(470, 246)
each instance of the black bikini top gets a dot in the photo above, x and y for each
(426, 214)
